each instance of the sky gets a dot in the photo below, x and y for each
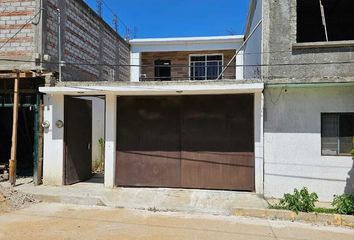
(177, 18)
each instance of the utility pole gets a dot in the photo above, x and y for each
(99, 7)
(59, 45)
(13, 159)
(127, 34)
(115, 22)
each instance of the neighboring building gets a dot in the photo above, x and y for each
(88, 44)
(29, 33)
(309, 94)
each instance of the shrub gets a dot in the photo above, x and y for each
(325, 210)
(344, 204)
(299, 201)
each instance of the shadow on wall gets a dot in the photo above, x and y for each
(349, 187)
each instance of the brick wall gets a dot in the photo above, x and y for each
(13, 15)
(179, 72)
(89, 45)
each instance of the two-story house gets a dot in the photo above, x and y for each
(184, 120)
(266, 112)
(303, 52)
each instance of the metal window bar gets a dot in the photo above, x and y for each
(207, 65)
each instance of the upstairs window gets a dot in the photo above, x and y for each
(163, 70)
(336, 16)
(337, 133)
(205, 67)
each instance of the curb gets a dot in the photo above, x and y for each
(90, 201)
(316, 218)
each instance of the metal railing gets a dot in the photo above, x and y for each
(196, 71)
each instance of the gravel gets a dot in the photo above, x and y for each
(15, 199)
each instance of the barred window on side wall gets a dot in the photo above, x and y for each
(337, 133)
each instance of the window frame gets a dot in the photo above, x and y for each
(206, 60)
(338, 154)
(314, 44)
(161, 66)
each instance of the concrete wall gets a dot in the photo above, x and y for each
(180, 72)
(252, 53)
(279, 47)
(292, 141)
(86, 39)
(13, 15)
(53, 155)
(98, 127)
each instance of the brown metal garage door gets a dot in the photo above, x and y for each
(187, 141)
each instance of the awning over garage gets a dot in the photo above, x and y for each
(155, 88)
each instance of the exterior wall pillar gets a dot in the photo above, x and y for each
(258, 142)
(239, 65)
(135, 59)
(53, 151)
(110, 141)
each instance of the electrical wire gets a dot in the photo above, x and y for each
(21, 28)
(114, 13)
(178, 65)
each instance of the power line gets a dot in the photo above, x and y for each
(99, 4)
(263, 53)
(180, 65)
(114, 13)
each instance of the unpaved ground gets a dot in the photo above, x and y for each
(11, 199)
(58, 221)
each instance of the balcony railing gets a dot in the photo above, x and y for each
(196, 71)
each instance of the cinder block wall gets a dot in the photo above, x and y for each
(88, 43)
(288, 64)
(181, 59)
(13, 15)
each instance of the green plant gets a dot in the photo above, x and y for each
(344, 204)
(299, 201)
(325, 210)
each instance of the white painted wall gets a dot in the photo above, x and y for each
(135, 60)
(110, 150)
(292, 141)
(239, 66)
(98, 124)
(53, 164)
(186, 45)
(252, 52)
(98, 127)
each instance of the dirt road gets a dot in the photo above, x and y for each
(58, 221)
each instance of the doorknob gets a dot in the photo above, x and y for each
(89, 146)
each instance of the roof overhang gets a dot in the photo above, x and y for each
(187, 40)
(139, 90)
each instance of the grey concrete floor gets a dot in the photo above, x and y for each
(59, 221)
(163, 199)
